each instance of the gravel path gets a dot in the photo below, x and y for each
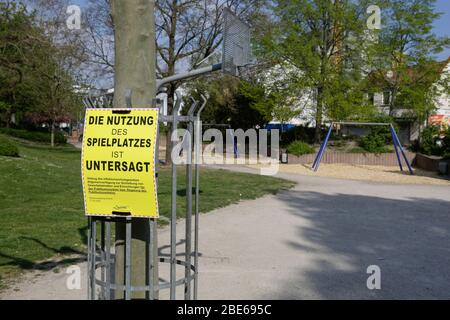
(315, 241)
(367, 173)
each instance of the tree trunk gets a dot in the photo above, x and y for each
(135, 60)
(319, 114)
(8, 120)
(52, 134)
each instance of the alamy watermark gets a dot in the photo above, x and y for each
(250, 147)
(73, 21)
(73, 281)
(374, 20)
(374, 280)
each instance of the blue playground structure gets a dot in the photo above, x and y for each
(397, 145)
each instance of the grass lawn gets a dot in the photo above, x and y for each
(41, 205)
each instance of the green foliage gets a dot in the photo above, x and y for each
(227, 103)
(407, 47)
(376, 140)
(299, 148)
(374, 143)
(36, 70)
(357, 150)
(163, 129)
(298, 133)
(274, 103)
(7, 148)
(428, 141)
(35, 136)
(302, 46)
(446, 143)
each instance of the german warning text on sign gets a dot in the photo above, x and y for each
(118, 162)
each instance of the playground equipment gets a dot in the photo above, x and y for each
(397, 145)
(235, 53)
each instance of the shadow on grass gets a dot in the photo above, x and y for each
(74, 255)
(183, 192)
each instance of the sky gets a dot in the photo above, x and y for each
(441, 26)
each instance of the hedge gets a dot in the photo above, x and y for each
(298, 148)
(34, 135)
(8, 148)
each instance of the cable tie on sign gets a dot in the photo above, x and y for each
(121, 111)
(119, 213)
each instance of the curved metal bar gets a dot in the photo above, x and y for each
(193, 107)
(162, 285)
(205, 100)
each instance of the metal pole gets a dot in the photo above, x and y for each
(102, 256)
(151, 260)
(93, 255)
(108, 259)
(183, 76)
(322, 146)
(320, 155)
(153, 237)
(128, 259)
(89, 249)
(198, 150)
(396, 149)
(363, 123)
(173, 218)
(403, 153)
(188, 246)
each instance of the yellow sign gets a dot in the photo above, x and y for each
(118, 162)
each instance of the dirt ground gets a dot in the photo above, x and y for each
(315, 241)
(380, 174)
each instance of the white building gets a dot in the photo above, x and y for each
(305, 102)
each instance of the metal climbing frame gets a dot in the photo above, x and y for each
(397, 144)
(101, 257)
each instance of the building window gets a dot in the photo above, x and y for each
(386, 97)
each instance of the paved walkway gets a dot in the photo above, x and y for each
(314, 242)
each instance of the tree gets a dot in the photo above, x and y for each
(35, 68)
(187, 32)
(17, 41)
(227, 104)
(134, 70)
(404, 62)
(315, 44)
(274, 103)
(55, 100)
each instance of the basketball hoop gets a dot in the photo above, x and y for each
(236, 53)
